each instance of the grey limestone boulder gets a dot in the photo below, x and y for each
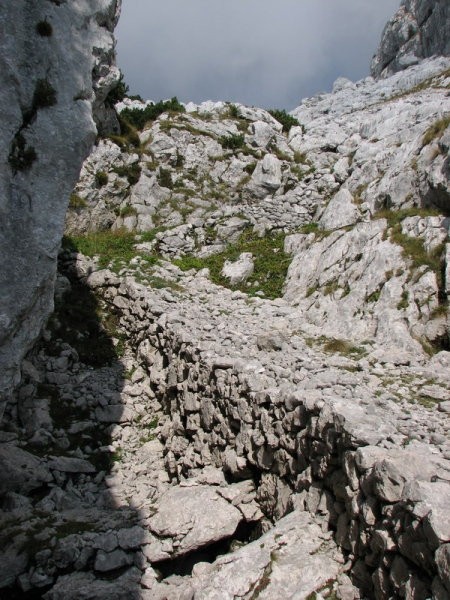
(240, 270)
(340, 212)
(195, 516)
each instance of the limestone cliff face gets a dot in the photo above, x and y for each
(419, 29)
(56, 66)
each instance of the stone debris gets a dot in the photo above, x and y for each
(193, 441)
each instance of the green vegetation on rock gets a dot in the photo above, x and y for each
(284, 118)
(436, 130)
(232, 142)
(271, 263)
(139, 117)
(114, 248)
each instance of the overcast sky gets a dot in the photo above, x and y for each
(268, 53)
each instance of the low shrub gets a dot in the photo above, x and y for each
(118, 93)
(284, 118)
(233, 111)
(44, 94)
(131, 172)
(77, 202)
(165, 178)
(232, 142)
(101, 178)
(139, 117)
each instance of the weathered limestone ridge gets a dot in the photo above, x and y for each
(56, 64)
(419, 29)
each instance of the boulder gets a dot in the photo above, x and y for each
(194, 516)
(240, 270)
(340, 212)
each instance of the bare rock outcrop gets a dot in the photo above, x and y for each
(419, 29)
(55, 65)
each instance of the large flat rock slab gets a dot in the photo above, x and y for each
(194, 517)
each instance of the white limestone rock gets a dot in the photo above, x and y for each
(267, 175)
(240, 270)
(21, 471)
(340, 212)
(290, 561)
(261, 134)
(195, 517)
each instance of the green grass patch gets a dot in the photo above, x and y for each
(413, 248)
(300, 158)
(309, 228)
(427, 401)
(333, 346)
(374, 296)
(395, 217)
(431, 82)
(271, 263)
(331, 288)
(112, 247)
(337, 346)
(159, 283)
(127, 211)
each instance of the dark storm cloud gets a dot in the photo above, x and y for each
(261, 52)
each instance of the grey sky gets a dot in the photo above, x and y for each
(269, 53)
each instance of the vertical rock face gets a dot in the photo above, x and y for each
(56, 69)
(418, 30)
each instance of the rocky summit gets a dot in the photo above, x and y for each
(243, 390)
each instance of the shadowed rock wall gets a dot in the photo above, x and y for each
(56, 63)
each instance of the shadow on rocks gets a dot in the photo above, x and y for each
(67, 531)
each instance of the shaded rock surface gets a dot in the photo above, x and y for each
(46, 131)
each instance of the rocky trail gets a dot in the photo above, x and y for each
(282, 441)
(243, 391)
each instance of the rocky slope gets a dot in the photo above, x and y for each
(244, 389)
(361, 183)
(49, 85)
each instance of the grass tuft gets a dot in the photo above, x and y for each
(436, 130)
